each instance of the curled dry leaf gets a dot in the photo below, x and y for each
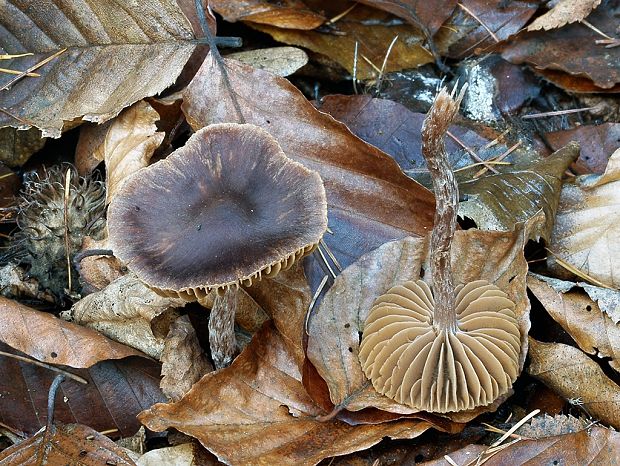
(564, 12)
(95, 77)
(587, 225)
(372, 31)
(498, 202)
(54, 341)
(336, 326)
(125, 311)
(116, 392)
(353, 171)
(183, 362)
(69, 444)
(256, 411)
(281, 61)
(593, 331)
(129, 144)
(573, 375)
(292, 14)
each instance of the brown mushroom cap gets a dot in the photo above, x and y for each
(410, 361)
(223, 210)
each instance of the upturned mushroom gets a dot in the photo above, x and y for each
(221, 212)
(446, 349)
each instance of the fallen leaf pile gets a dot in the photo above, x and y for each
(344, 88)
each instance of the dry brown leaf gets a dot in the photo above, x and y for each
(256, 411)
(587, 225)
(372, 30)
(352, 170)
(573, 375)
(555, 50)
(183, 362)
(336, 326)
(589, 447)
(73, 444)
(125, 311)
(593, 331)
(54, 341)
(281, 61)
(179, 455)
(292, 14)
(17, 146)
(129, 144)
(116, 54)
(549, 426)
(564, 12)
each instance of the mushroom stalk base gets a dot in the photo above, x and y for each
(222, 340)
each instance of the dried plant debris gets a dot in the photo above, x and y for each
(57, 210)
(564, 12)
(15, 283)
(281, 61)
(587, 226)
(126, 311)
(549, 426)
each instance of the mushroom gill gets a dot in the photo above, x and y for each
(412, 361)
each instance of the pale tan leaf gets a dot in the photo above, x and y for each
(117, 52)
(573, 375)
(593, 331)
(564, 12)
(129, 144)
(256, 411)
(73, 444)
(183, 362)
(179, 455)
(587, 225)
(336, 326)
(54, 341)
(548, 426)
(125, 311)
(281, 61)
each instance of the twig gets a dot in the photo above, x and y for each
(324, 259)
(317, 293)
(51, 397)
(508, 151)
(32, 68)
(77, 378)
(474, 156)
(355, 68)
(385, 59)
(66, 221)
(578, 272)
(330, 254)
(556, 113)
(338, 17)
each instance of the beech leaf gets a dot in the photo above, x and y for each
(563, 13)
(256, 411)
(587, 225)
(573, 375)
(117, 52)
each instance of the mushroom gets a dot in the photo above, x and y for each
(449, 349)
(226, 209)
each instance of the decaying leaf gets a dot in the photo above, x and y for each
(372, 31)
(125, 311)
(589, 447)
(54, 341)
(564, 12)
(497, 202)
(15, 283)
(549, 426)
(336, 326)
(593, 331)
(573, 375)
(555, 50)
(596, 143)
(116, 392)
(256, 411)
(353, 171)
(183, 361)
(129, 144)
(587, 225)
(74, 444)
(110, 49)
(292, 14)
(281, 61)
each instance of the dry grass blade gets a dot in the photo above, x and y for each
(581, 274)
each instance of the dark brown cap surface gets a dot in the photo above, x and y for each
(224, 209)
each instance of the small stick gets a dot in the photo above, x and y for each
(66, 221)
(509, 151)
(51, 397)
(474, 156)
(471, 13)
(317, 293)
(556, 113)
(77, 378)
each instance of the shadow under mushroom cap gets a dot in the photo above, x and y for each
(224, 209)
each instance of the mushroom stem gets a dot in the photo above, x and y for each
(222, 338)
(435, 126)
